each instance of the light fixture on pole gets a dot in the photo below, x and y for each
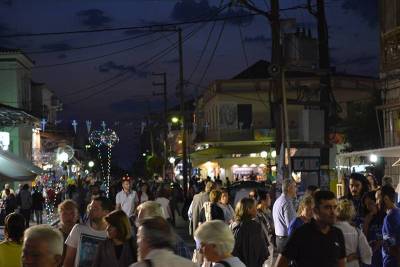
(373, 158)
(91, 164)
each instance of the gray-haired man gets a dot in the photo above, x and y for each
(284, 212)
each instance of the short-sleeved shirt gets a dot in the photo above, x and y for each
(127, 201)
(391, 236)
(10, 254)
(86, 240)
(309, 247)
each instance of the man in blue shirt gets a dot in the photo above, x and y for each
(284, 212)
(385, 199)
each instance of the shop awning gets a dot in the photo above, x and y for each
(15, 168)
(386, 152)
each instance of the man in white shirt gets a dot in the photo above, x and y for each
(127, 199)
(83, 240)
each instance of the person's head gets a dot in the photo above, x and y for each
(7, 186)
(325, 205)
(14, 227)
(345, 210)
(264, 200)
(25, 187)
(149, 209)
(385, 197)
(289, 187)
(372, 183)
(216, 240)
(358, 185)
(253, 194)
(369, 202)
(224, 197)
(154, 233)
(311, 189)
(118, 225)
(68, 211)
(144, 188)
(126, 183)
(245, 209)
(42, 247)
(99, 208)
(7, 191)
(209, 186)
(215, 196)
(387, 180)
(306, 207)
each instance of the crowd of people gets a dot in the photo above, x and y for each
(135, 227)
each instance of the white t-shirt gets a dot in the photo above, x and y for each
(86, 240)
(165, 206)
(127, 201)
(143, 197)
(233, 262)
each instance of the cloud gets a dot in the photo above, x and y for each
(244, 21)
(6, 2)
(93, 18)
(366, 9)
(112, 66)
(257, 39)
(192, 9)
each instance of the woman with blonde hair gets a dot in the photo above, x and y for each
(119, 249)
(251, 246)
(304, 214)
(357, 247)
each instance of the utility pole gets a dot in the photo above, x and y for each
(325, 80)
(183, 115)
(150, 127)
(165, 124)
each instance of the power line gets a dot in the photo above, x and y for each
(145, 26)
(154, 58)
(212, 54)
(90, 58)
(48, 51)
(146, 63)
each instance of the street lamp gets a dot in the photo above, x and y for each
(91, 164)
(373, 158)
(175, 119)
(273, 154)
(171, 160)
(264, 154)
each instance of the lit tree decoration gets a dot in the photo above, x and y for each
(95, 139)
(109, 139)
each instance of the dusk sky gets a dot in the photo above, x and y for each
(76, 73)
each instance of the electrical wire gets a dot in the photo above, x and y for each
(48, 51)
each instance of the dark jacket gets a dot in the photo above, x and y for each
(250, 244)
(106, 255)
(37, 201)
